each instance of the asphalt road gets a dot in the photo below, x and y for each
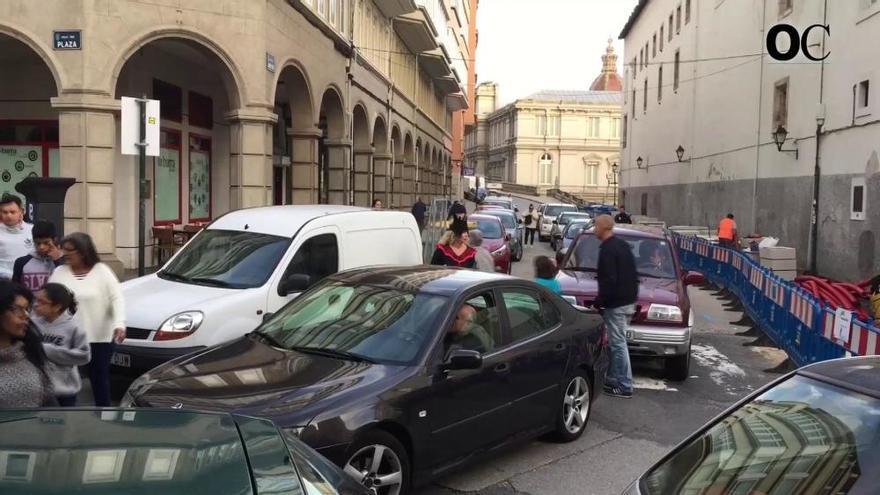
(624, 437)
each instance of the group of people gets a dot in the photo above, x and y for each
(60, 308)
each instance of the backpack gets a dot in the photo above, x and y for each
(528, 219)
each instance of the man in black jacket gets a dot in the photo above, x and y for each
(618, 291)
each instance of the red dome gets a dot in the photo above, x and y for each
(608, 80)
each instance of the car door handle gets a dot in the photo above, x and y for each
(501, 368)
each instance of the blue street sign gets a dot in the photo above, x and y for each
(67, 40)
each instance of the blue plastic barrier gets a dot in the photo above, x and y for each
(793, 319)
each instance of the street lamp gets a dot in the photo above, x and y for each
(679, 152)
(639, 162)
(779, 136)
(612, 176)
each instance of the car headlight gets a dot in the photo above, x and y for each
(142, 383)
(500, 251)
(665, 313)
(180, 325)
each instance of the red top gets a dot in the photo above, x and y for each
(445, 256)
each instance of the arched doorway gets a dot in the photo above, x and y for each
(409, 172)
(381, 162)
(293, 153)
(396, 166)
(363, 157)
(332, 158)
(198, 174)
(29, 144)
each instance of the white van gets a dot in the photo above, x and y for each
(249, 263)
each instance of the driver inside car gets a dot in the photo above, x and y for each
(466, 334)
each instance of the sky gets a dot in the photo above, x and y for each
(529, 45)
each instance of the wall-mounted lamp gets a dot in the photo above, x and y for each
(679, 152)
(779, 136)
(639, 162)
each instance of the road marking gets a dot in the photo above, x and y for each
(652, 384)
(722, 369)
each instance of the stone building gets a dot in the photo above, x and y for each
(567, 140)
(262, 102)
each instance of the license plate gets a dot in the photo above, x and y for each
(629, 335)
(120, 359)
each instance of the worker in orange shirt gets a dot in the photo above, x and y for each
(727, 235)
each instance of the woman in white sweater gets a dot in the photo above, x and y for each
(101, 311)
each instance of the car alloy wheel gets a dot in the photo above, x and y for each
(378, 468)
(576, 405)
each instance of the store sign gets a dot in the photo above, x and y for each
(199, 185)
(16, 163)
(166, 175)
(67, 40)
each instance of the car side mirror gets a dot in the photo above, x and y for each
(560, 256)
(297, 282)
(267, 316)
(463, 359)
(694, 278)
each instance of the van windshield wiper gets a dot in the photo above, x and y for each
(174, 276)
(210, 281)
(266, 338)
(332, 353)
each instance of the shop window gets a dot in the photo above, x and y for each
(199, 179)
(27, 149)
(201, 111)
(166, 180)
(171, 100)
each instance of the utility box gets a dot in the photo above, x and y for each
(782, 261)
(45, 199)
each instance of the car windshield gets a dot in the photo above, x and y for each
(574, 229)
(802, 436)
(227, 258)
(653, 256)
(491, 229)
(554, 210)
(566, 218)
(498, 202)
(507, 220)
(363, 321)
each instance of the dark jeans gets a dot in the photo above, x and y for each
(68, 401)
(530, 236)
(99, 372)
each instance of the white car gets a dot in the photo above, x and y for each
(548, 212)
(247, 264)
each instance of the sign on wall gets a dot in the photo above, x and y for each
(67, 40)
(167, 180)
(199, 185)
(16, 163)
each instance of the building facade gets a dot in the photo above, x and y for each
(699, 80)
(464, 120)
(566, 140)
(262, 102)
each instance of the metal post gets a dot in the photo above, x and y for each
(142, 189)
(814, 217)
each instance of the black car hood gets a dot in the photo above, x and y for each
(249, 377)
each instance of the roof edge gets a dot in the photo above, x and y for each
(633, 17)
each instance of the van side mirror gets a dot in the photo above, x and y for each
(694, 278)
(267, 316)
(463, 359)
(296, 282)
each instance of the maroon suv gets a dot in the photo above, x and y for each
(661, 326)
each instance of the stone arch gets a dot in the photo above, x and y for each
(47, 56)
(360, 128)
(332, 113)
(408, 148)
(380, 135)
(292, 87)
(232, 78)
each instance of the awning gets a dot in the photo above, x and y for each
(447, 85)
(394, 8)
(416, 31)
(435, 63)
(457, 102)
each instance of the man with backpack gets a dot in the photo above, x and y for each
(530, 220)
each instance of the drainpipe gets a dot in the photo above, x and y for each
(351, 158)
(817, 168)
(758, 137)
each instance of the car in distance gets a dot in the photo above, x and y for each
(152, 451)
(661, 327)
(496, 240)
(547, 213)
(514, 228)
(381, 367)
(562, 220)
(812, 431)
(573, 230)
(502, 201)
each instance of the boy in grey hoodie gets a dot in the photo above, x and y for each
(65, 343)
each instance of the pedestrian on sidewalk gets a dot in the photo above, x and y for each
(15, 234)
(23, 378)
(727, 235)
(483, 258)
(530, 220)
(618, 290)
(545, 274)
(33, 270)
(418, 211)
(101, 311)
(457, 210)
(622, 216)
(453, 248)
(65, 343)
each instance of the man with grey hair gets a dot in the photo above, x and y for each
(485, 263)
(618, 291)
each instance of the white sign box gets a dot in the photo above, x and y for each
(842, 325)
(131, 116)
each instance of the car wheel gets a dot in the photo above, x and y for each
(678, 368)
(574, 412)
(379, 461)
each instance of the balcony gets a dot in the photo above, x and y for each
(447, 85)
(394, 8)
(435, 63)
(416, 31)
(457, 102)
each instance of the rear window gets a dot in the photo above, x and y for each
(554, 210)
(506, 219)
(490, 229)
(653, 256)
